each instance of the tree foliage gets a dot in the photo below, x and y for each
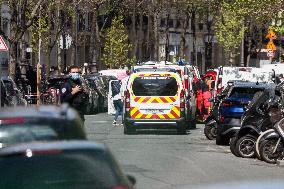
(117, 46)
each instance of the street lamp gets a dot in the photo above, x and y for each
(208, 42)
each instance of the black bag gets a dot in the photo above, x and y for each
(115, 87)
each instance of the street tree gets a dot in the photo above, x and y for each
(23, 14)
(117, 45)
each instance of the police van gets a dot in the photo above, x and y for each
(154, 100)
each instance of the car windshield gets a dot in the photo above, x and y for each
(244, 92)
(155, 86)
(62, 170)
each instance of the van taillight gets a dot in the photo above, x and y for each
(127, 100)
(182, 101)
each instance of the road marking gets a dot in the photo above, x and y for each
(99, 121)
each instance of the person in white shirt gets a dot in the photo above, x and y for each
(117, 99)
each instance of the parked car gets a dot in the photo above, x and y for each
(24, 124)
(3, 94)
(232, 107)
(14, 97)
(61, 165)
(95, 81)
(93, 104)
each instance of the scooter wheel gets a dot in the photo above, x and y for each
(210, 132)
(266, 151)
(245, 146)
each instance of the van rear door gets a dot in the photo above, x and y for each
(155, 96)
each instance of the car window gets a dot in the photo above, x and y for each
(62, 170)
(11, 134)
(155, 86)
(244, 92)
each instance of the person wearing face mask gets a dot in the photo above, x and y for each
(73, 92)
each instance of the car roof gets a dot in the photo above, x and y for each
(156, 72)
(52, 145)
(250, 84)
(44, 111)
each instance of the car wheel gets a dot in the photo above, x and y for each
(128, 130)
(233, 142)
(210, 131)
(245, 146)
(266, 151)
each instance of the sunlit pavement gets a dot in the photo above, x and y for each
(166, 160)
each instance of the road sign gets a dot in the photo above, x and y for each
(270, 53)
(270, 45)
(3, 46)
(271, 35)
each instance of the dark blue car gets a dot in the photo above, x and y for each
(232, 108)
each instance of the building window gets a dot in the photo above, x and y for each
(81, 22)
(178, 24)
(171, 23)
(163, 22)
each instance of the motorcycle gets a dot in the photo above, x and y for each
(271, 148)
(210, 129)
(260, 116)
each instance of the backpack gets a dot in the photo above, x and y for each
(115, 87)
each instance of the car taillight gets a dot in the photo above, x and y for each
(182, 101)
(12, 120)
(227, 104)
(221, 119)
(127, 100)
(119, 187)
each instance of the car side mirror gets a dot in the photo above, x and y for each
(131, 179)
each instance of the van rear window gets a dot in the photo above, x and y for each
(155, 86)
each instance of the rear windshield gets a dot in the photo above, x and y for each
(155, 86)
(244, 93)
(59, 170)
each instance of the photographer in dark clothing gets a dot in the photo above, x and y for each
(73, 92)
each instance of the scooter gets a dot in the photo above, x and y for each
(257, 119)
(210, 129)
(271, 147)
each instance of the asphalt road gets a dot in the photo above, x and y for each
(166, 160)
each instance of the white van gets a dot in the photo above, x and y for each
(154, 100)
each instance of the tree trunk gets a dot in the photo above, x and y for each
(148, 47)
(156, 37)
(12, 64)
(134, 34)
(140, 38)
(194, 52)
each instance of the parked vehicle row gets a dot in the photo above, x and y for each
(259, 127)
(96, 84)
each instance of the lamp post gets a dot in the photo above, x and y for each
(208, 43)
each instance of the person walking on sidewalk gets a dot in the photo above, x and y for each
(117, 99)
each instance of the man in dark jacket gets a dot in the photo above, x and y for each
(73, 93)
